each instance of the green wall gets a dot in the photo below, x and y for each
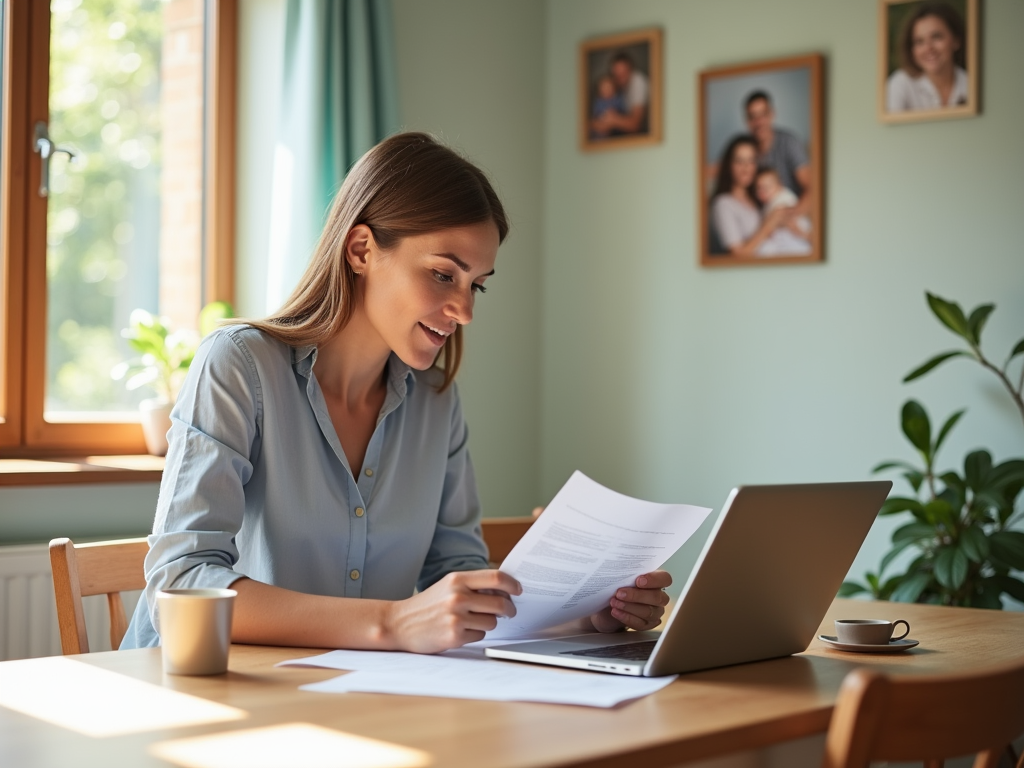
(472, 73)
(675, 382)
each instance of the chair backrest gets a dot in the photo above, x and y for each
(102, 568)
(501, 534)
(907, 718)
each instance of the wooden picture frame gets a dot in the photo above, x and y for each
(620, 90)
(763, 120)
(907, 92)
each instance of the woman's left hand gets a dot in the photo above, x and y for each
(640, 607)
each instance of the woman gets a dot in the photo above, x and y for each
(318, 461)
(932, 74)
(735, 214)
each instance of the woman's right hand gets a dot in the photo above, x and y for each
(460, 608)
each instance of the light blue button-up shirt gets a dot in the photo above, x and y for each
(256, 483)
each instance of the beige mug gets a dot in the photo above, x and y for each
(869, 631)
(195, 630)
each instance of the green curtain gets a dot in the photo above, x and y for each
(339, 98)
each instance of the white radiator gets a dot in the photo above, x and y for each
(28, 614)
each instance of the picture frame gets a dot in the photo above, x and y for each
(939, 82)
(620, 90)
(761, 163)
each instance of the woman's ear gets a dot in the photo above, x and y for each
(358, 246)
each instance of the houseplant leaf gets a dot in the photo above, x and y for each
(1007, 548)
(850, 588)
(951, 567)
(892, 554)
(950, 423)
(977, 465)
(988, 595)
(894, 465)
(950, 315)
(934, 362)
(896, 504)
(977, 320)
(974, 544)
(1011, 586)
(1018, 349)
(913, 532)
(911, 588)
(917, 428)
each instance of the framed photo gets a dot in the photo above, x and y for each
(760, 181)
(620, 90)
(927, 59)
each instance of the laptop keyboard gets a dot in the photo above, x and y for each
(639, 651)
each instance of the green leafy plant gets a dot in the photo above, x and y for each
(165, 355)
(961, 522)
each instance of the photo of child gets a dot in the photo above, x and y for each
(792, 236)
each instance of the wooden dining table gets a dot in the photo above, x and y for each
(120, 709)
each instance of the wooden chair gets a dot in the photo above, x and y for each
(103, 568)
(501, 534)
(883, 717)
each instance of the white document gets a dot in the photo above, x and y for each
(589, 542)
(414, 674)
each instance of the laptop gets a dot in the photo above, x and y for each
(761, 586)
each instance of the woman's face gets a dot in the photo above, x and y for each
(415, 295)
(744, 165)
(933, 45)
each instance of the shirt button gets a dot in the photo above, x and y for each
(360, 511)
(369, 473)
(353, 574)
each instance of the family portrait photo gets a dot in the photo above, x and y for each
(760, 188)
(620, 90)
(928, 59)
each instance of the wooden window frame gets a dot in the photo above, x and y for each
(26, 31)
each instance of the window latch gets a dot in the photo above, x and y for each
(46, 149)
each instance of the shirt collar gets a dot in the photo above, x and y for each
(399, 375)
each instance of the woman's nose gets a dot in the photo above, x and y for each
(461, 308)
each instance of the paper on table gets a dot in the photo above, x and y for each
(589, 542)
(469, 678)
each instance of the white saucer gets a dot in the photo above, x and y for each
(893, 646)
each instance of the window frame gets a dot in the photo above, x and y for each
(24, 432)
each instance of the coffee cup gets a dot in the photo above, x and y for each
(195, 630)
(869, 631)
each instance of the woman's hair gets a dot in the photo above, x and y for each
(725, 181)
(409, 184)
(948, 16)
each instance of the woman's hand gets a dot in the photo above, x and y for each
(640, 607)
(458, 609)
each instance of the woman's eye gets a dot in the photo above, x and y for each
(441, 277)
(477, 288)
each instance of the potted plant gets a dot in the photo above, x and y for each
(961, 523)
(164, 358)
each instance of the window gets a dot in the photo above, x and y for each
(117, 168)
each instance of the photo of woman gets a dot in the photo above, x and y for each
(742, 225)
(929, 69)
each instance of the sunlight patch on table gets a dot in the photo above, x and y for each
(310, 746)
(97, 702)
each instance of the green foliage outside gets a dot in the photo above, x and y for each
(104, 216)
(961, 521)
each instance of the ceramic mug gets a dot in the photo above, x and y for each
(869, 631)
(195, 630)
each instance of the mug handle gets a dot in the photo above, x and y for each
(905, 633)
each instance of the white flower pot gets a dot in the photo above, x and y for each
(155, 415)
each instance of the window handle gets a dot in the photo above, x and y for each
(47, 149)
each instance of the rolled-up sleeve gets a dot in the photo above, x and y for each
(214, 434)
(457, 544)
